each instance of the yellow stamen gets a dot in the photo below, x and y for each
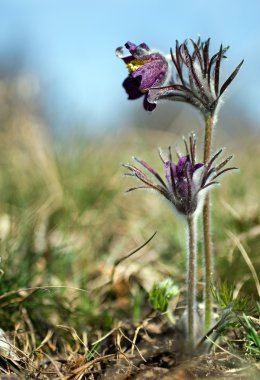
(136, 64)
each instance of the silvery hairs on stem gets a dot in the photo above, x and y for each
(185, 182)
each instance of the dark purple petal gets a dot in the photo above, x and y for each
(181, 163)
(144, 46)
(148, 69)
(137, 50)
(131, 85)
(197, 166)
(131, 47)
(147, 105)
(127, 59)
(152, 73)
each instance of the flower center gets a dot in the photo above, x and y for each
(136, 64)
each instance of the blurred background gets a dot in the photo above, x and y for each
(66, 126)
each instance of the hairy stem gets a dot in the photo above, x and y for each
(208, 256)
(192, 248)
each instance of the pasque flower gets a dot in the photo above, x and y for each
(147, 68)
(185, 181)
(196, 78)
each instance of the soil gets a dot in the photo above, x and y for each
(152, 351)
(160, 355)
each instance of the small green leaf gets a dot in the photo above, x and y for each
(162, 293)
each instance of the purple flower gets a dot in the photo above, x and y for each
(196, 77)
(185, 181)
(147, 68)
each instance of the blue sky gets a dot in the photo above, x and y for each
(70, 46)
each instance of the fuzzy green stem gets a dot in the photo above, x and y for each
(192, 247)
(208, 258)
